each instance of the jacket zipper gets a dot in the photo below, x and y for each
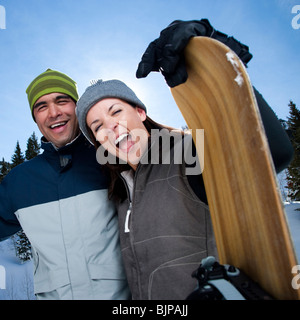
(126, 229)
(126, 226)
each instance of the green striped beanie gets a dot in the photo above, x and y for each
(50, 81)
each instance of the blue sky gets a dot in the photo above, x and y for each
(106, 39)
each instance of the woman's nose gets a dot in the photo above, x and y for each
(111, 124)
(108, 130)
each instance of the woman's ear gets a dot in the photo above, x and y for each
(141, 112)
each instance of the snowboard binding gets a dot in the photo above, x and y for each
(224, 282)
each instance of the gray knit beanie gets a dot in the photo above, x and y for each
(99, 91)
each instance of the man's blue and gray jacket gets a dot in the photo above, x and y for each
(60, 200)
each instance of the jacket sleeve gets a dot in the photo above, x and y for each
(9, 223)
(280, 145)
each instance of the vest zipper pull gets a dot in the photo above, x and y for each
(126, 230)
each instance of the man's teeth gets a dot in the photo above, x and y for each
(121, 137)
(58, 125)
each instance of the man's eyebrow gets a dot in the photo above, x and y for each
(39, 104)
(62, 96)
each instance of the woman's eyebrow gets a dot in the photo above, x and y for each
(109, 109)
(95, 121)
(112, 106)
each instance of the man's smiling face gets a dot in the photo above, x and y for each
(55, 116)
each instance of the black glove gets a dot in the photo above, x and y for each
(165, 54)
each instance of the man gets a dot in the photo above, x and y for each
(60, 200)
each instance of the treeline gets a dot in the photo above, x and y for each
(20, 241)
(32, 150)
(293, 171)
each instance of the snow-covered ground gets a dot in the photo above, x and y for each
(19, 277)
(293, 217)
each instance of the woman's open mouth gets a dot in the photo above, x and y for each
(124, 142)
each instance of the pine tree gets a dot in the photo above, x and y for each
(293, 171)
(33, 147)
(5, 168)
(17, 157)
(22, 246)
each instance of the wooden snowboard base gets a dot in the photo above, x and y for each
(247, 212)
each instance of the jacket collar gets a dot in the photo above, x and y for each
(50, 147)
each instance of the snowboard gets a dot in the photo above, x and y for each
(247, 212)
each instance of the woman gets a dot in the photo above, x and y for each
(164, 221)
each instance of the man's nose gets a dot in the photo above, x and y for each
(54, 110)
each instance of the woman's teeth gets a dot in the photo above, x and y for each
(121, 138)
